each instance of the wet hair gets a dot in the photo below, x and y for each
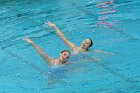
(66, 51)
(91, 42)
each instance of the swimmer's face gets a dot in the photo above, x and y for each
(64, 56)
(86, 44)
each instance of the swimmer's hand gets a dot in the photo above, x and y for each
(28, 40)
(50, 24)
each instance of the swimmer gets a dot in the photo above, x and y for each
(85, 45)
(62, 59)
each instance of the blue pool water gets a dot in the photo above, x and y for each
(112, 25)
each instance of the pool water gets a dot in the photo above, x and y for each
(112, 25)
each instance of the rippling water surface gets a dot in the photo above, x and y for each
(112, 25)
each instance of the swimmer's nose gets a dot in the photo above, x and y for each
(66, 57)
(84, 43)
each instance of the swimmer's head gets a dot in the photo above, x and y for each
(91, 42)
(64, 56)
(87, 43)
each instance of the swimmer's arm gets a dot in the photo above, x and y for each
(45, 57)
(42, 54)
(87, 60)
(103, 52)
(62, 36)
